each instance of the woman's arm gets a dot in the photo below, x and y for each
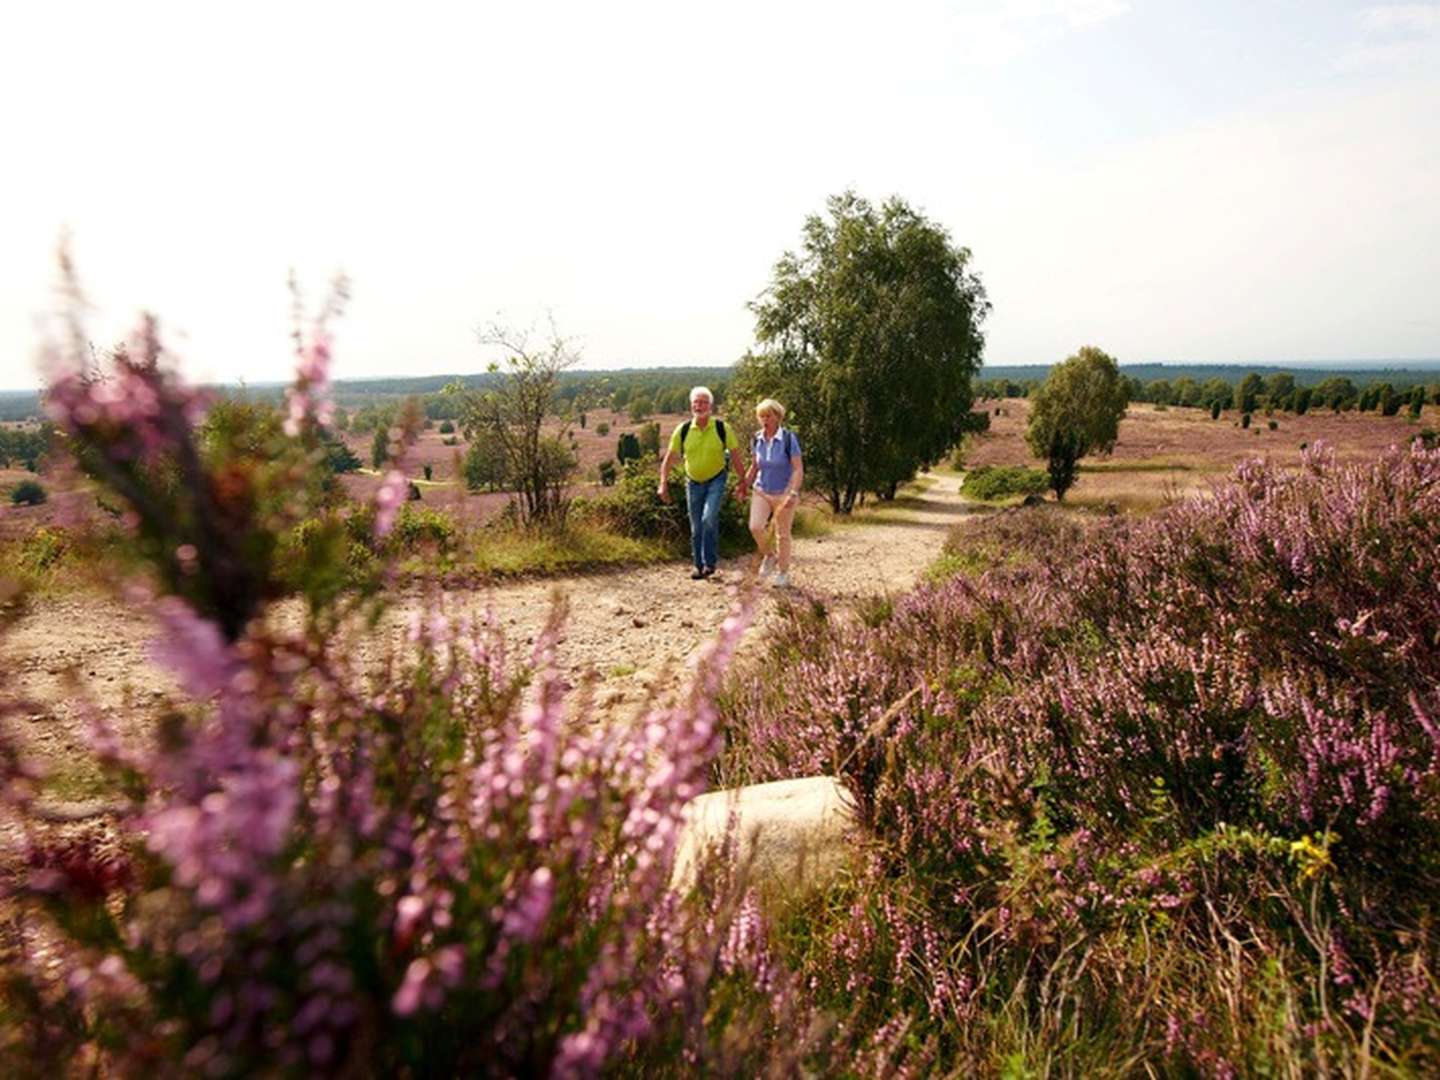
(797, 477)
(738, 464)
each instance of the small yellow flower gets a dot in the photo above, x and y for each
(1312, 855)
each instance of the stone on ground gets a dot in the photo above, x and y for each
(795, 835)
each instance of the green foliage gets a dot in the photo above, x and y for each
(991, 482)
(24, 445)
(421, 526)
(633, 509)
(1336, 391)
(602, 428)
(608, 474)
(649, 438)
(447, 427)
(429, 471)
(627, 448)
(977, 423)
(380, 448)
(513, 415)
(1247, 391)
(1245, 420)
(484, 466)
(44, 548)
(1272, 424)
(1076, 412)
(1279, 388)
(872, 332)
(28, 493)
(640, 408)
(339, 458)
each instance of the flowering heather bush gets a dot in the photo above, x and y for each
(439, 868)
(1167, 798)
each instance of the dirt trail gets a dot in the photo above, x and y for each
(629, 627)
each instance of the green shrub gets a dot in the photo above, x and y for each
(1273, 425)
(44, 548)
(1245, 420)
(447, 427)
(602, 428)
(633, 509)
(28, 493)
(339, 458)
(991, 482)
(607, 472)
(418, 526)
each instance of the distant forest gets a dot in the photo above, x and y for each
(643, 391)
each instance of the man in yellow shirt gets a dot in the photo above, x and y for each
(704, 444)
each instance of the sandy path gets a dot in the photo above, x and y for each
(629, 628)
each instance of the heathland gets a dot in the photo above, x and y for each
(361, 740)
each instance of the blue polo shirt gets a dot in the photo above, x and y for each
(776, 466)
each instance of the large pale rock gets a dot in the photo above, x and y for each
(792, 834)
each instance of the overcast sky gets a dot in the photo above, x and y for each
(1250, 181)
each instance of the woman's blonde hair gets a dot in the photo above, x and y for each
(770, 405)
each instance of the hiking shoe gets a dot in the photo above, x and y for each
(698, 573)
(709, 571)
(781, 581)
(767, 567)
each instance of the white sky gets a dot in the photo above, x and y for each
(1229, 181)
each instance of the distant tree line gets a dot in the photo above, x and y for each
(1280, 391)
(24, 446)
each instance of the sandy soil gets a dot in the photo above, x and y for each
(631, 630)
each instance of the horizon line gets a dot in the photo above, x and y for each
(1426, 363)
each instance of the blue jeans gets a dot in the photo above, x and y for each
(703, 500)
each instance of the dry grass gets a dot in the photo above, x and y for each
(1164, 454)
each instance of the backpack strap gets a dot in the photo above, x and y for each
(719, 430)
(785, 442)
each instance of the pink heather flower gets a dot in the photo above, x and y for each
(309, 396)
(524, 919)
(412, 990)
(388, 501)
(407, 913)
(192, 648)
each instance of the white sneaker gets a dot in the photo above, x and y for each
(780, 581)
(767, 567)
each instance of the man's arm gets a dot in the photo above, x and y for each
(664, 488)
(738, 464)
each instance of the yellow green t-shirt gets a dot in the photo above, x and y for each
(703, 454)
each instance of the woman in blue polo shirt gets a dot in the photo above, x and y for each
(775, 475)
